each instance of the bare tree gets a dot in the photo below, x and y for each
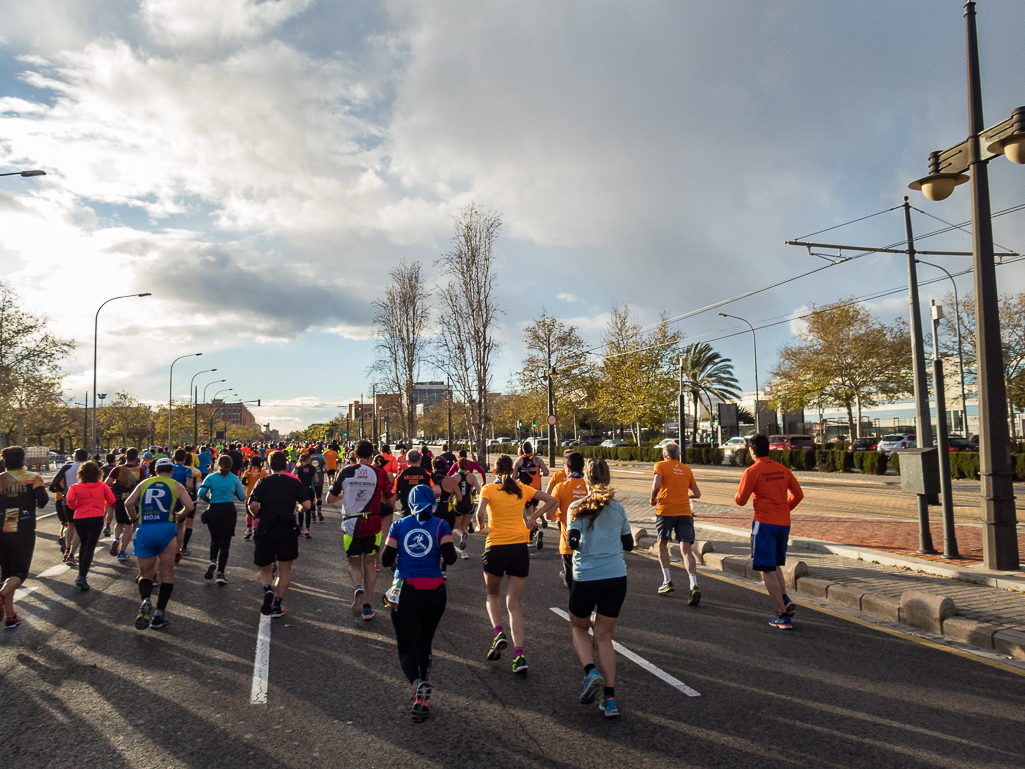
(401, 323)
(465, 348)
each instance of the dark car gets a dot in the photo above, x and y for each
(864, 444)
(589, 440)
(786, 442)
(961, 444)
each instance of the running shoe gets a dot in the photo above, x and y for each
(70, 560)
(695, 597)
(178, 556)
(608, 704)
(421, 693)
(249, 534)
(145, 610)
(276, 611)
(539, 540)
(114, 547)
(788, 606)
(160, 620)
(186, 552)
(593, 683)
(12, 622)
(210, 570)
(497, 645)
(562, 576)
(368, 612)
(320, 516)
(463, 554)
(462, 541)
(220, 578)
(308, 535)
(519, 664)
(106, 531)
(63, 545)
(122, 557)
(544, 522)
(357, 602)
(782, 622)
(666, 588)
(81, 584)
(64, 556)
(268, 599)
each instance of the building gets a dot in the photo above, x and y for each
(232, 414)
(357, 409)
(429, 393)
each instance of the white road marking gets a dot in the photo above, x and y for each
(676, 683)
(261, 667)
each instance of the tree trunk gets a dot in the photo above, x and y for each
(850, 418)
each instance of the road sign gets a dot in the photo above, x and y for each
(206, 433)
(552, 419)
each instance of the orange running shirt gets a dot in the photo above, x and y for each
(252, 476)
(673, 494)
(331, 459)
(505, 515)
(566, 493)
(557, 477)
(775, 490)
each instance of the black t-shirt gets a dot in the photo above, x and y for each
(278, 494)
(450, 459)
(407, 479)
(307, 475)
(237, 460)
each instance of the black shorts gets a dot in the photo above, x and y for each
(283, 547)
(63, 512)
(446, 513)
(16, 550)
(511, 560)
(365, 545)
(605, 595)
(120, 514)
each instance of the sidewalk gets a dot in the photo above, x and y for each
(870, 565)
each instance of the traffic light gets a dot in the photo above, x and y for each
(534, 425)
(345, 435)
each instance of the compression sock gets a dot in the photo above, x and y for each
(693, 581)
(145, 588)
(498, 629)
(665, 573)
(164, 595)
(517, 651)
(188, 536)
(589, 667)
(609, 691)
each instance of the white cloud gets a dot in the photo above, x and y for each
(569, 298)
(189, 22)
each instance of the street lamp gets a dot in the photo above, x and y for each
(216, 381)
(226, 390)
(170, 390)
(960, 352)
(194, 393)
(754, 345)
(1000, 535)
(25, 173)
(96, 332)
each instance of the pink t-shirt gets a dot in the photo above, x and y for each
(89, 500)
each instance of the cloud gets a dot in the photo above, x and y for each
(569, 298)
(190, 22)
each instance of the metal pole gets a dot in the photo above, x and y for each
(754, 347)
(960, 351)
(85, 429)
(361, 416)
(923, 424)
(170, 389)
(96, 337)
(195, 416)
(551, 405)
(1000, 535)
(946, 497)
(683, 409)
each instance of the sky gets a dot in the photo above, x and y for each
(260, 167)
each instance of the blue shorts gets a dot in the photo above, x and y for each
(768, 546)
(679, 526)
(152, 538)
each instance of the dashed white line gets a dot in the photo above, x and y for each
(656, 671)
(261, 667)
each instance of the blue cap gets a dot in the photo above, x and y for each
(421, 500)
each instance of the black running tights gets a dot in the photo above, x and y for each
(89, 530)
(221, 518)
(415, 620)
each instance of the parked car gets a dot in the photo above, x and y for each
(666, 441)
(961, 444)
(734, 443)
(787, 442)
(863, 444)
(896, 442)
(613, 443)
(570, 442)
(589, 440)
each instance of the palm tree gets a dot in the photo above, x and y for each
(706, 372)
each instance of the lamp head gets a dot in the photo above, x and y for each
(33, 173)
(723, 315)
(1013, 145)
(146, 294)
(938, 186)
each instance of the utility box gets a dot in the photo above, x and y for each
(920, 471)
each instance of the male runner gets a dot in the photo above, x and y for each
(331, 461)
(413, 475)
(306, 473)
(152, 505)
(183, 474)
(319, 464)
(62, 481)
(250, 478)
(529, 469)
(448, 456)
(566, 493)
(122, 480)
(273, 504)
(362, 487)
(776, 493)
(671, 492)
(21, 494)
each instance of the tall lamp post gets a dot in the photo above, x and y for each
(216, 381)
(754, 345)
(946, 171)
(960, 351)
(170, 390)
(96, 331)
(194, 392)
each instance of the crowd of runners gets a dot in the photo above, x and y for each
(409, 512)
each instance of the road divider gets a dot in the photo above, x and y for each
(261, 666)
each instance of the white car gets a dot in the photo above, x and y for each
(896, 442)
(613, 443)
(733, 444)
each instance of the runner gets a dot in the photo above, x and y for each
(566, 493)
(252, 476)
(776, 493)
(152, 504)
(529, 469)
(469, 487)
(204, 460)
(122, 480)
(362, 487)
(183, 474)
(471, 466)
(671, 492)
(21, 494)
(448, 456)
(445, 487)
(387, 511)
(319, 463)
(89, 498)
(506, 552)
(417, 544)
(413, 475)
(62, 481)
(219, 491)
(306, 473)
(273, 504)
(105, 470)
(599, 533)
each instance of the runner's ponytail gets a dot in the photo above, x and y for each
(504, 470)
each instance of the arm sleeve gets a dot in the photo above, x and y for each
(388, 555)
(628, 542)
(796, 493)
(448, 553)
(746, 487)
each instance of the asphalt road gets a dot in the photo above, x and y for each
(80, 687)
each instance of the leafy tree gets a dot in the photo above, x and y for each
(126, 420)
(707, 373)
(844, 358)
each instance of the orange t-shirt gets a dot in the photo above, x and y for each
(566, 493)
(505, 515)
(557, 477)
(775, 489)
(331, 459)
(673, 493)
(253, 475)
(391, 465)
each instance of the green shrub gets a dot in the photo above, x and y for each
(1019, 465)
(895, 463)
(744, 457)
(964, 464)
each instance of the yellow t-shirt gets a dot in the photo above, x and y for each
(505, 515)
(566, 493)
(673, 497)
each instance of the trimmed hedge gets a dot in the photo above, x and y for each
(870, 462)
(704, 455)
